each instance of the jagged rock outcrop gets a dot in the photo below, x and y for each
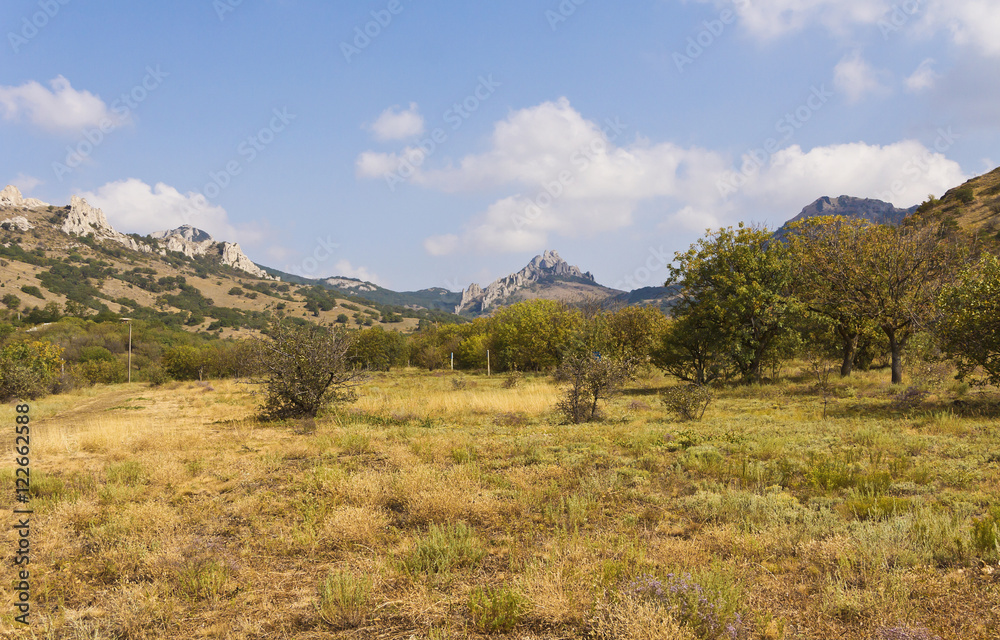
(194, 242)
(11, 197)
(83, 219)
(17, 223)
(876, 211)
(548, 265)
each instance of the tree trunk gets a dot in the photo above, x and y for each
(850, 351)
(896, 347)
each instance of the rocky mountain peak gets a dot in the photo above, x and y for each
(876, 211)
(11, 197)
(548, 265)
(185, 232)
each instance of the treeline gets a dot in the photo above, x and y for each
(845, 293)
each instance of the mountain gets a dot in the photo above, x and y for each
(56, 260)
(869, 209)
(547, 276)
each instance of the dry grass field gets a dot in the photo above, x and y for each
(449, 506)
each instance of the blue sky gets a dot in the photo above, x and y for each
(423, 144)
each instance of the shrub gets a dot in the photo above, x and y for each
(445, 548)
(344, 599)
(303, 368)
(708, 609)
(688, 402)
(591, 379)
(986, 533)
(32, 290)
(513, 379)
(496, 610)
(102, 371)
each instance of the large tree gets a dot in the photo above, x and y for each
(859, 271)
(734, 287)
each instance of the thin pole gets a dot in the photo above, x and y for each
(130, 353)
(488, 363)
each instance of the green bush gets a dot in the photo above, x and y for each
(496, 610)
(32, 290)
(445, 548)
(102, 371)
(688, 402)
(344, 599)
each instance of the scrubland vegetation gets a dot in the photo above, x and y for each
(449, 505)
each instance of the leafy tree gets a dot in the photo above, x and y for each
(689, 349)
(11, 301)
(184, 362)
(303, 368)
(631, 332)
(532, 335)
(883, 274)
(27, 368)
(969, 329)
(378, 350)
(735, 291)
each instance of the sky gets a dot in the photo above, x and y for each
(424, 144)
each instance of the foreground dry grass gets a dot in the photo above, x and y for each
(447, 506)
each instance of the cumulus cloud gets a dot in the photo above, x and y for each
(855, 78)
(567, 176)
(397, 124)
(60, 109)
(902, 173)
(132, 206)
(923, 77)
(972, 23)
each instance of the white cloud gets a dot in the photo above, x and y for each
(132, 206)
(395, 124)
(972, 23)
(565, 176)
(902, 173)
(346, 269)
(856, 78)
(59, 110)
(923, 77)
(25, 183)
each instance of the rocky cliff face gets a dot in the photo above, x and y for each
(475, 299)
(11, 197)
(83, 219)
(194, 242)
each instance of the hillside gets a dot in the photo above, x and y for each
(972, 206)
(69, 260)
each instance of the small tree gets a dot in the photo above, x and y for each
(969, 329)
(591, 379)
(303, 368)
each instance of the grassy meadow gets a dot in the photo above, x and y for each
(447, 505)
